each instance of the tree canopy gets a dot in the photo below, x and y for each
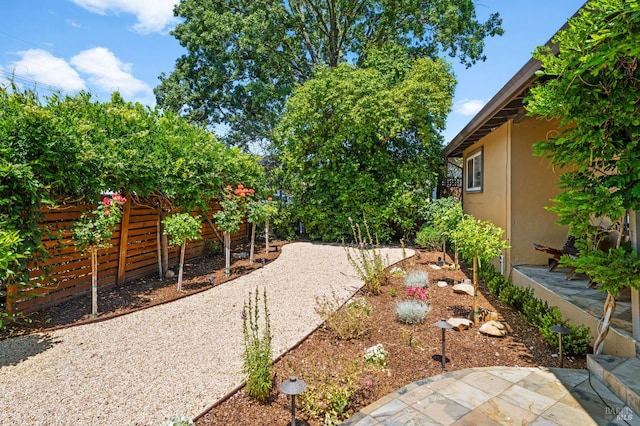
(364, 140)
(593, 85)
(244, 57)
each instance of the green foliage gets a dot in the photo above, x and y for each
(412, 311)
(417, 279)
(179, 421)
(481, 239)
(94, 230)
(349, 322)
(429, 238)
(364, 256)
(613, 269)
(182, 227)
(362, 140)
(60, 149)
(537, 312)
(591, 87)
(331, 389)
(257, 348)
(443, 215)
(245, 57)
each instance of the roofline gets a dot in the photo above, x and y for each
(510, 91)
(521, 80)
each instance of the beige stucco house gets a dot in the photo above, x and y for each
(504, 183)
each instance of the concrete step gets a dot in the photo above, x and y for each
(621, 375)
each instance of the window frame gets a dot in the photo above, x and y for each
(470, 170)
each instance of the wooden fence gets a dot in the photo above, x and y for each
(66, 273)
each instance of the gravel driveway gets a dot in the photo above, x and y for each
(169, 360)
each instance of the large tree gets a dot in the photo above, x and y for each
(244, 57)
(593, 86)
(364, 140)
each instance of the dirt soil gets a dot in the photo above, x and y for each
(414, 350)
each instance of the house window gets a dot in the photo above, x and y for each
(474, 172)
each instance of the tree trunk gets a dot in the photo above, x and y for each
(476, 314)
(227, 253)
(266, 235)
(183, 249)
(609, 309)
(159, 249)
(164, 245)
(94, 282)
(253, 243)
(12, 295)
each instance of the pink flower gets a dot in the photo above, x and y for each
(106, 201)
(269, 199)
(119, 198)
(418, 293)
(107, 212)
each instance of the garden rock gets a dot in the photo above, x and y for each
(170, 274)
(463, 288)
(242, 255)
(460, 324)
(493, 328)
(442, 284)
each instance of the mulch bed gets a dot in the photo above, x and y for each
(414, 350)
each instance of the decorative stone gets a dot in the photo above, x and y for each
(442, 284)
(460, 324)
(170, 274)
(463, 288)
(436, 267)
(493, 328)
(241, 255)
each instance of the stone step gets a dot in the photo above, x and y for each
(621, 375)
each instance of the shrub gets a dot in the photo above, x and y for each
(330, 391)
(417, 279)
(411, 311)
(257, 349)
(349, 322)
(537, 312)
(366, 259)
(429, 238)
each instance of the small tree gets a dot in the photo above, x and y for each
(258, 212)
(93, 232)
(180, 228)
(479, 241)
(230, 217)
(444, 215)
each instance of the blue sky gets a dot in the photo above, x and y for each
(106, 45)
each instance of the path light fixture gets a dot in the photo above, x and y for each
(444, 325)
(561, 330)
(211, 280)
(293, 387)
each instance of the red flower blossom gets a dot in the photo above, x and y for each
(106, 201)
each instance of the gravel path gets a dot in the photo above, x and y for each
(169, 360)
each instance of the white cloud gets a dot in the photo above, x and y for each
(468, 106)
(152, 15)
(44, 68)
(109, 73)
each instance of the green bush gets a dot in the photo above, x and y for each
(364, 256)
(349, 322)
(537, 312)
(330, 391)
(412, 311)
(429, 238)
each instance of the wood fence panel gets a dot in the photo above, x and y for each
(66, 273)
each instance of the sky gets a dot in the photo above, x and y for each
(101, 46)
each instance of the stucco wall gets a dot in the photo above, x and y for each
(533, 184)
(516, 189)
